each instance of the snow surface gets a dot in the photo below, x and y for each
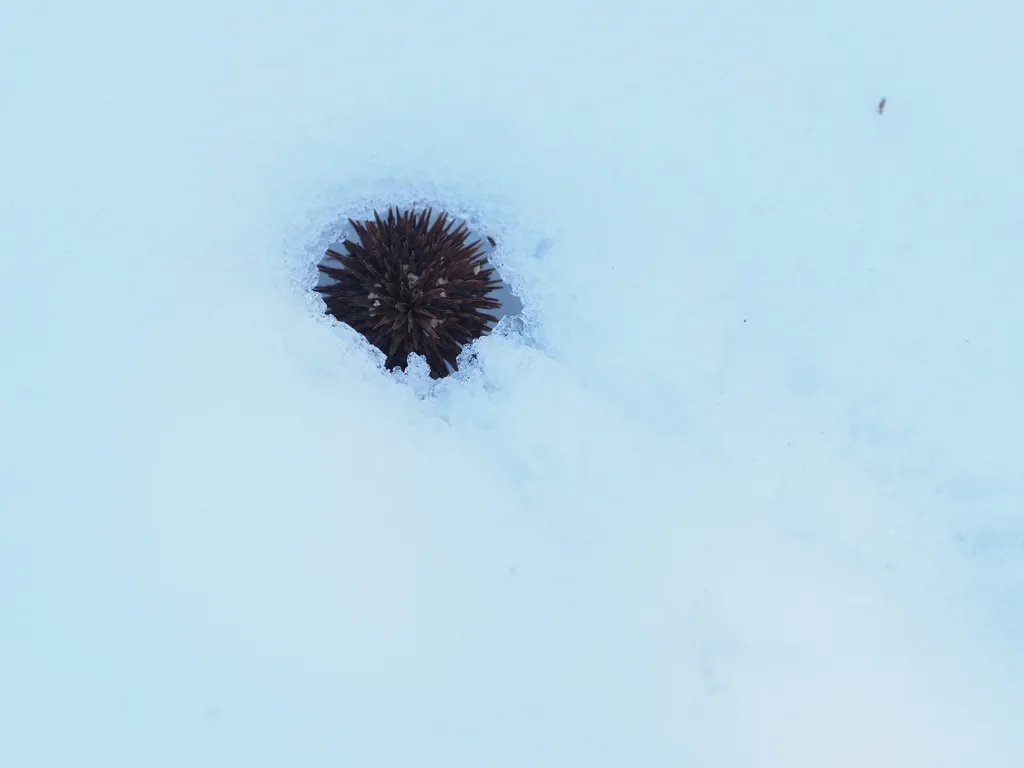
(745, 489)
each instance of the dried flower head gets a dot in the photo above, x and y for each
(412, 284)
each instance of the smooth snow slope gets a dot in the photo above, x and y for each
(743, 490)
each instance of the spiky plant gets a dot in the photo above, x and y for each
(412, 284)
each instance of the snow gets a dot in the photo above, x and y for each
(741, 487)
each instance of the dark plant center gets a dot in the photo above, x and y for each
(412, 284)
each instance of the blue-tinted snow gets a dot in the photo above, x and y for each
(744, 489)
